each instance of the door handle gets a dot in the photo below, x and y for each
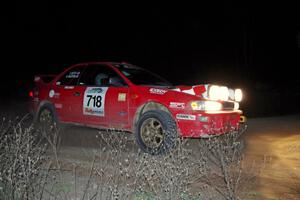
(77, 94)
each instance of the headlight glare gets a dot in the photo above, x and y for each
(231, 94)
(238, 95)
(236, 105)
(224, 93)
(214, 92)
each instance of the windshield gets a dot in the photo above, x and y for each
(140, 76)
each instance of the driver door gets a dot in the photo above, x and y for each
(104, 99)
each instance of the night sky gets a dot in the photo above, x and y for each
(254, 46)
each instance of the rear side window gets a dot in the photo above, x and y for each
(100, 75)
(71, 77)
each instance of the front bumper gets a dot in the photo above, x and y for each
(206, 124)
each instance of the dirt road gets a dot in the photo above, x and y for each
(277, 140)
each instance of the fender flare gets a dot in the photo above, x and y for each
(149, 105)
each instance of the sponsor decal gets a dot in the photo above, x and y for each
(190, 91)
(54, 94)
(193, 90)
(58, 105)
(69, 87)
(122, 97)
(179, 105)
(157, 91)
(90, 111)
(199, 89)
(73, 75)
(94, 101)
(186, 117)
(51, 93)
(94, 90)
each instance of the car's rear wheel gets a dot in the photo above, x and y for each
(156, 132)
(46, 118)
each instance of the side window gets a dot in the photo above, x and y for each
(100, 75)
(71, 77)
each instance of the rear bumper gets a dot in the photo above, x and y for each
(210, 124)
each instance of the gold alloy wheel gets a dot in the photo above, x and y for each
(152, 133)
(46, 117)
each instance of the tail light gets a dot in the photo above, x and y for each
(31, 94)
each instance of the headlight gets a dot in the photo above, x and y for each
(224, 93)
(214, 92)
(231, 94)
(218, 93)
(238, 95)
(236, 106)
(206, 105)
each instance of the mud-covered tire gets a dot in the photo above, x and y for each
(46, 118)
(156, 132)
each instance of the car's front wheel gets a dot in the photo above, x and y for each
(156, 132)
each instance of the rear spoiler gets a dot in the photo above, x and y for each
(43, 79)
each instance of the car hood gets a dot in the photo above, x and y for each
(199, 91)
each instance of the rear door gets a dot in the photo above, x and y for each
(105, 95)
(66, 95)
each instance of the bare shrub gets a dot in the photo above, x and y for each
(167, 176)
(225, 169)
(119, 170)
(216, 166)
(21, 156)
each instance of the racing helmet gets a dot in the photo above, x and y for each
(101, 79)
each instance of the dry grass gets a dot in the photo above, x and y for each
(119, 170)
(21, 157)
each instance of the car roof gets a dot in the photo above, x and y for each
(116, 65)
(103, 62)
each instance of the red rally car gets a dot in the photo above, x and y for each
(126, 97)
